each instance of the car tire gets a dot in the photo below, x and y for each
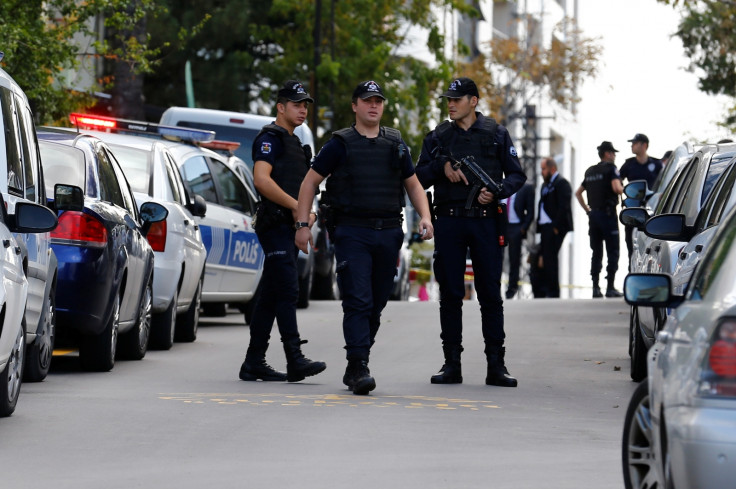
(97, 353)
(187, 323)
(163, 326)
(41, 351)
(637, 449)
(638, 353)
(134, 343)
(214, 309)
(12, 377)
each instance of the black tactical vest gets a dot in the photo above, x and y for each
(290, 168)
(480, 143)
(369, 183)
(598, 187)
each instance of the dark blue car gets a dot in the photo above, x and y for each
(104, 290)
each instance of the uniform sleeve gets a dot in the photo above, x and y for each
(514, 175)
(266, 147)
(331, 156)
(624, 172)
(429, 167)
(615, 175)
(407, 165)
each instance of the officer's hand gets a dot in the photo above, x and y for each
(426, 230)
(303, 239)
(454, 175)
(484, 196)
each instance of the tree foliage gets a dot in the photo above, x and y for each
(708, 32)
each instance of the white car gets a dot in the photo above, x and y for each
(179, 252)
(679, 429)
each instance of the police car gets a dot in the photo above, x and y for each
(179, 252)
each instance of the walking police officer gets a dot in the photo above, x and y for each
(280, 165)
(602, 184)
(369, 167)
(477, 227)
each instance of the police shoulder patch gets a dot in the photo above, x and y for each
(512, 151)
(265, 147)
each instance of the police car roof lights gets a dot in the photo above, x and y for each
(102, 123)
(220, 145)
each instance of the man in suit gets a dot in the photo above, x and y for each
(521, 214)
(555, 220)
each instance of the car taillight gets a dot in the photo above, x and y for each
(719, 374)
(80, 228)
(157, 235)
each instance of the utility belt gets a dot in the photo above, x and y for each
(269, 216)
(369, 222)
(609, 211)
(496, 211)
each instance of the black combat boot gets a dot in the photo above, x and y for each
(611, 290)
(255, 367)
(597, 294)
(497, 373)
(299, 367)
(358, 377)
(451, 372)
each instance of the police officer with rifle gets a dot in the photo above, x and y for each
(469, 216)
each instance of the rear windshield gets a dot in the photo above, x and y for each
(136, 166)
(62, 164)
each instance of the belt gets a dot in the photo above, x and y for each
(463, 212)
(369, 222)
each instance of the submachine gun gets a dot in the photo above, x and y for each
(477, 178)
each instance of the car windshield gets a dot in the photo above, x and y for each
(136, 165)
(62, 164)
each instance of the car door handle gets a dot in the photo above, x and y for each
(698, 248)
(6, 243)
(186, 222)
(648, 250)
(657, 248)
(17, 250)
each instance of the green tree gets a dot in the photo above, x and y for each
(42, 56)
(708, 32)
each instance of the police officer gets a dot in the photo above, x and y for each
(477, 227)
(602, 184)
(641, 166)
(280, 165)
(369, 167)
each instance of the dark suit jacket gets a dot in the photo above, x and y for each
(557, 204)
(524, 205)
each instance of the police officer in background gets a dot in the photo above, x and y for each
(457, 229)
(641, 166)
(280, 165)
(602, 184)
(369, 167)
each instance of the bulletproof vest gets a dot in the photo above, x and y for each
(289, 168)
(477, 142)
(598, 187)
(369, 183)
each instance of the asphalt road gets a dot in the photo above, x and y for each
(182, 419)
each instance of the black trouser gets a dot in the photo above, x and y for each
(551, 244)
(603, 228)
(514, 240)
(629, 242)
(278, 289)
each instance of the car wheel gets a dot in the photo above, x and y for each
(638, 353)
(187, 323)
(38, 358)
(214, 309)
(12, 377)
(135, 342)
(163, 326)
(637, 445)
(97, 353)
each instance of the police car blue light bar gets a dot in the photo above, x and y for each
(111, 124)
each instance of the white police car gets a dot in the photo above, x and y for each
(177, 243)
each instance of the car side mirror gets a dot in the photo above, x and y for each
(669, 227)
(636, 190)
(68, 198)
(33, 218)
(198, 206)
(634, 217)
(649, 290)
(151, 212)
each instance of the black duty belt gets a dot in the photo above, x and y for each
(463, 212)
(369, 222)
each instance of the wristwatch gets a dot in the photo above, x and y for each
(300, 224)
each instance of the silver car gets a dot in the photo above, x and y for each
(679, 429)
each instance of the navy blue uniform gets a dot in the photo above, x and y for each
(632, 170)
(458, 230)
(602, 219)
(367, 237)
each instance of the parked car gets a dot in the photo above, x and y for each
(21, 180)
(402, 286)
(178, 249)
(105, 279)
(685, 194)
(679, 430)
